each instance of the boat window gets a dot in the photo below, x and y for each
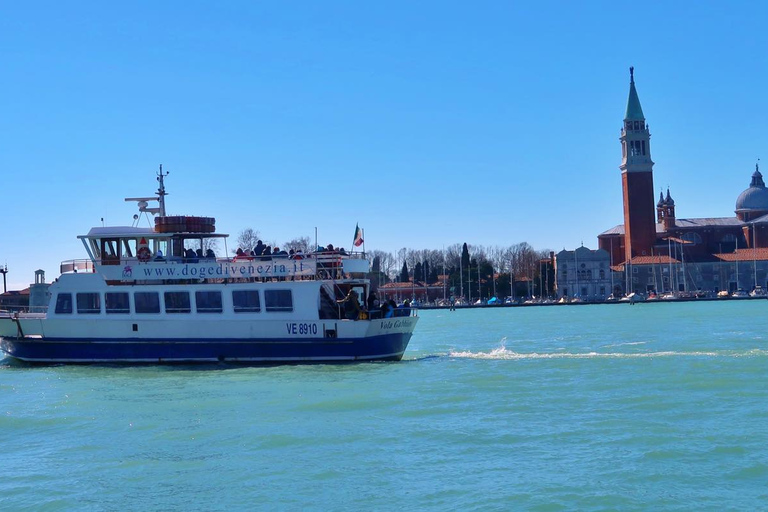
(146, 302)
(208, 302)
(129, 247)
(95, 248)
(88, 303)
(177, 302)
(278, 300)
(110, 251)
(117, 302)
(246, 301)
(64, 304)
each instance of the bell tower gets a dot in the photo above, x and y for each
(637, 178)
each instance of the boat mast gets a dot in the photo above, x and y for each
(161, 190)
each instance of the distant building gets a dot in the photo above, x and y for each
(585, 274)
(15, 300)
(664, 253)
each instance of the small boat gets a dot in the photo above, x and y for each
(632, 298)
(739, 294)
(141, 296)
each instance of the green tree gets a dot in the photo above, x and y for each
(417, 272)
(404, 273)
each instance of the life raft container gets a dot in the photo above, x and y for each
(184, 224)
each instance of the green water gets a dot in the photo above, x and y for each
(613, 407)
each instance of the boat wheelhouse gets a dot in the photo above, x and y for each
(159, 295)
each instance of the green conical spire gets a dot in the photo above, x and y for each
(634, 110)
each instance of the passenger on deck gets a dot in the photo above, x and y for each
(159, 255)
(190, 256)
(342, 251)
(259, 249)
(266, 253)
(351, 305)
(210, 254)
(199, 253)
(373, 306)
(372, 301)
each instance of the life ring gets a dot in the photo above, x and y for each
(143, 254)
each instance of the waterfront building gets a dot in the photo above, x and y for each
(15, 300)
(585, 274)
(659, 251)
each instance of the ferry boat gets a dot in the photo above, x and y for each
(141, 296)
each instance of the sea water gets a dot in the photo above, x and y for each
(604, 407)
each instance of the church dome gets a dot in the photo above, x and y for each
(755, 197)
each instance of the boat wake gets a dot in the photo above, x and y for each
(502, 352)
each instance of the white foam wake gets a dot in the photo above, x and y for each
(503, 353)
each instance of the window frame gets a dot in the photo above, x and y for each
(59, 310)
(114, 310)
(273, 294)
(177, 309)
(209, 308)
(95, 305)
(139, 306)
(246, 308)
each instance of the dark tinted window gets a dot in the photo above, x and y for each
(146, 302)
(117, 302)
(64, 303)
(278, 300)
(208, 302)
(246, 301)
(88, 303)
(177, 302)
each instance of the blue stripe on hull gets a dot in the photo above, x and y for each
(388, 347)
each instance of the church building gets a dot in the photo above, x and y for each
(659, 251)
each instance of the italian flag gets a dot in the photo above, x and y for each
(358, 236)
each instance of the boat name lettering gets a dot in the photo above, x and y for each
(395, 324)
(301, 328)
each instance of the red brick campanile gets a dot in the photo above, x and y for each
(637, 179)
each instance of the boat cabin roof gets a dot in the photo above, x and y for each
(134, 232)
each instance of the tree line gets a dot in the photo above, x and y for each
(469, 270)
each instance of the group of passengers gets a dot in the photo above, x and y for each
(263, 251)
(331, 249)
(374, 309)
(192, 256)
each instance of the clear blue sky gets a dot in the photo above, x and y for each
(429, 123)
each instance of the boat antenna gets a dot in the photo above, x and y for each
(161, 190)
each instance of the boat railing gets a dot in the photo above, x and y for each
(328, 264)
(27, 311)
(75, 266)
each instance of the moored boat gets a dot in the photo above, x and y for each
(154, 295)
